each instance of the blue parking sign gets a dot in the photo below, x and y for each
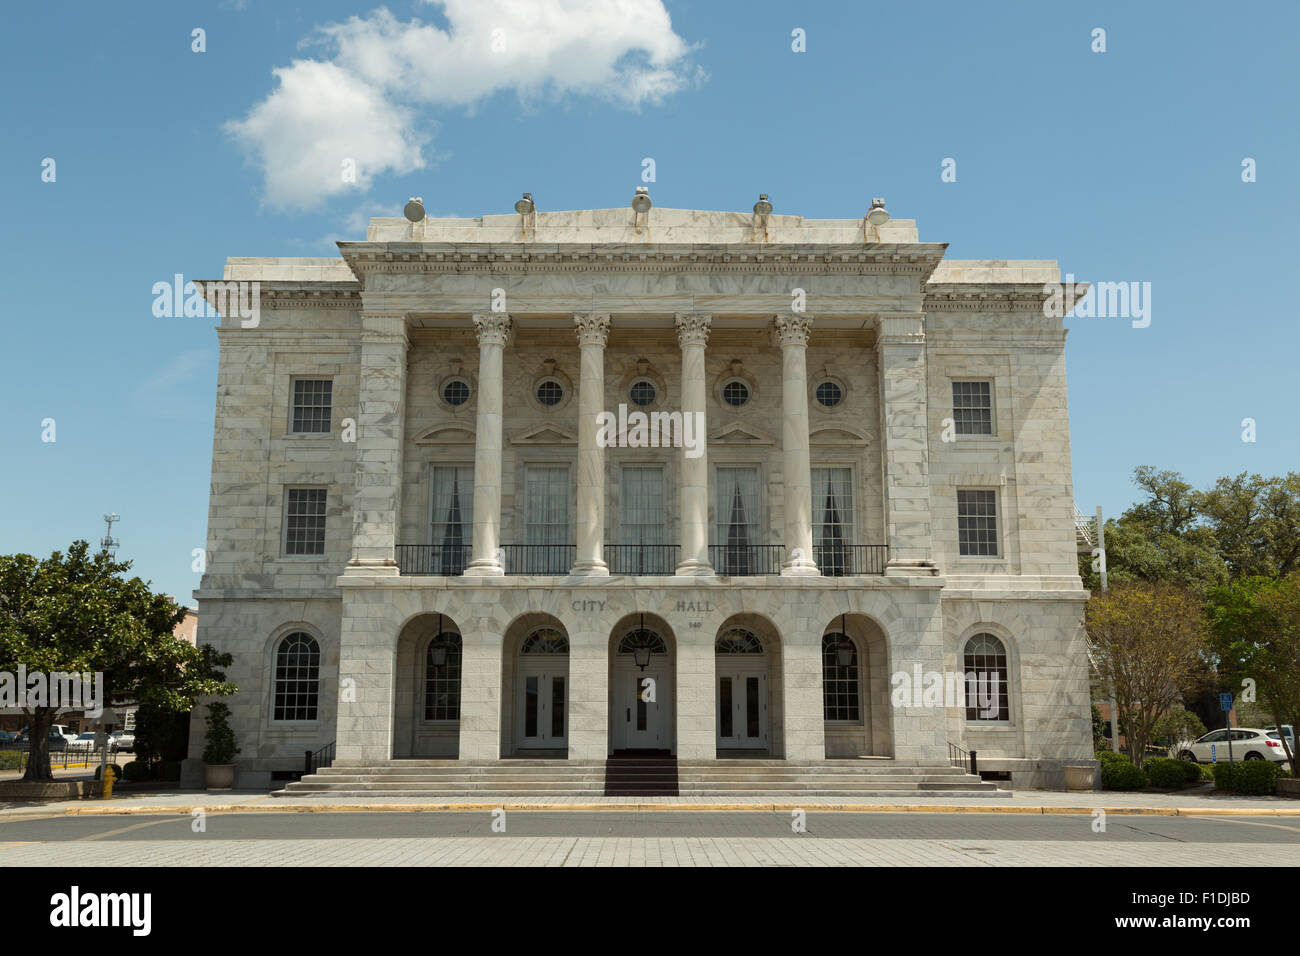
(1225, 702)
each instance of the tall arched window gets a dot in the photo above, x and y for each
(442, 678)
(840, 686)
(297, 677)
(987, 679)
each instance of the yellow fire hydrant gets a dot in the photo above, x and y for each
(108, 782)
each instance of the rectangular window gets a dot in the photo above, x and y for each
(972, 408)
(312, 399)
(304, 521)
(737, 517)
(546, 520)
(977, 522)
(832, 514)
(639, 547)
(451, 517)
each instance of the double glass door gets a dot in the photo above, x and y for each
(639, 722)
(742, 708)
(541, 708)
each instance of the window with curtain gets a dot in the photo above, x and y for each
(451, 517)
(832, 516)
(546, 519)
(641, 522)
(737, 515)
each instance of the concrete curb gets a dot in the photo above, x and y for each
(674, 808)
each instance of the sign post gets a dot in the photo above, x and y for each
(1225, 704)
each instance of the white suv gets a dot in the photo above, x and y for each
(1247, 744)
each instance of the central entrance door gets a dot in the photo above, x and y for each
(641, 696)
(742, 691)
(542, 692)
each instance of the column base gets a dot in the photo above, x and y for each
(797, 570)
(911, 567)
(372, 568)
(590, 569)
(694, 569)
(484, 568)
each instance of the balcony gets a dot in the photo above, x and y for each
(633, 560)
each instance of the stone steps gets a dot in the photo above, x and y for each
(640, 777)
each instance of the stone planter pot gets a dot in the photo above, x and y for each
(1080, 777)
(219, 776)
(1288, 787)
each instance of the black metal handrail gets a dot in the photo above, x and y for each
(839, 560)
(320, 758)
(437, 559)
(539, 558)
(641, 558)
(964, 759)
(730, 560)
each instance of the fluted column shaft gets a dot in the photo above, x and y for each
(494, 331)
(790, 331)
(692, 336)
(593, 330)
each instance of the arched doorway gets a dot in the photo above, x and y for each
(542, 691)
(856, 713)
(743, 691)
(642, 685)
(427, 688)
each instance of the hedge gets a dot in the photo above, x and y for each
(1167, 774)
(1255, 777)
(1117, 775)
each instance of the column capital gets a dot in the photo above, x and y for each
(493, 328)
(592, 327)
(693, 327)
(791, 328)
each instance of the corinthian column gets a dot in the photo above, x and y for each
(692, 336)
(790, 331)
(494, 331)
(593, 329)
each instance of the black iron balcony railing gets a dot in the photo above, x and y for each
(550, 559)
(437, 559)
(732, 560)
(838, 560)
(635, 559)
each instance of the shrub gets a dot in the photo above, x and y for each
(135, 771)
(1194, 771)
(1255, 777)
(171, 771)
(1109, 756)
(9, 759)
(1166, 774)
(221, 747)
(1116, 775)
(117, 774)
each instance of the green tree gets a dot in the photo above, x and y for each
(1148, 644)
(78, 613)
(1255, 623)
(1256, 523)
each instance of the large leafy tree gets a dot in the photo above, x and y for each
(1148, 643)
(1256, 523)
(1256, 628)
(78, 612)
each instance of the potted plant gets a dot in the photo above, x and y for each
(219, 770)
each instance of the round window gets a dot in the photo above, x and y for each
(735, 393)
(455, 392)
(550, 392)
(829, 394)
(642, 392)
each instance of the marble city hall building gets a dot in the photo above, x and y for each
(728, 496)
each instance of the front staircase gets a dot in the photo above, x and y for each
(641, 776)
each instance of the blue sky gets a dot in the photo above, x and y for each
(1123, 165)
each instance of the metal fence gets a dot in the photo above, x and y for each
(16, 757)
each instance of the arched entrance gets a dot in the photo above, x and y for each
(747, 660)
(856, 714)
(542, 691)
(427, 688)
(642, 671)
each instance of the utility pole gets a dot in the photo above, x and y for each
(1101, 567)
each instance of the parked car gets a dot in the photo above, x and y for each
(1288, 732)
(122, 740)
(61, 738)
(1248, 743)
(83, 741)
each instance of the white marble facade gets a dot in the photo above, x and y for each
(688, 303)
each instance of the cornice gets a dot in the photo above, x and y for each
(979, 297)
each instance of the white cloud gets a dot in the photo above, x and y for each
(362, 101)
